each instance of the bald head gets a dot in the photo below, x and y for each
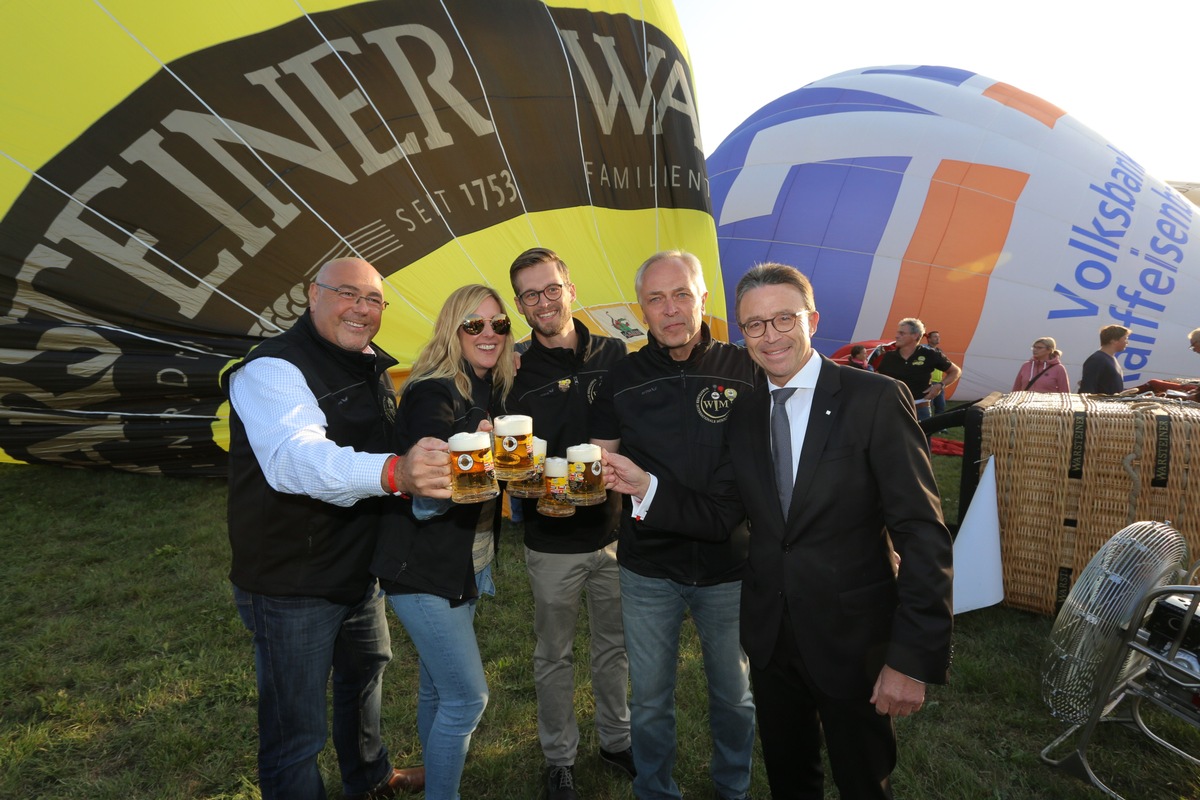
(348, 323)
(348, 266)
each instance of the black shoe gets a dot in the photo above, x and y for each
(401, 780)
(560, 784)
(621, 759)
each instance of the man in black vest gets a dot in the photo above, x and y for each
(567, 556)
(310, 464)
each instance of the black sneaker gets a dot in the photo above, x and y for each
(621, 759)
(560, 784)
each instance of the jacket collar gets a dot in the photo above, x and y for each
(702, 346)
(583, 340)
(826, 404)
(376, 360)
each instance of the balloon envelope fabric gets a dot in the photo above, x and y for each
(174, 174)
(987, 212)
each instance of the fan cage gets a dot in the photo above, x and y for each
(1087, 637)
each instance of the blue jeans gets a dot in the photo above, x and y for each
(297, 642)
(452, 692)
(653, 610)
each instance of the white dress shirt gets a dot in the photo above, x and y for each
(798, 406)
(286, 429)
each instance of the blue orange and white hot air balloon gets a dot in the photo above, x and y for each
(991, 214)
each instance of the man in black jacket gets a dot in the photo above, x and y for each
(310, 463)
(832, 470)
(665, 407)
(566, 556)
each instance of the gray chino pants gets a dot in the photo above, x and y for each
(559, 581)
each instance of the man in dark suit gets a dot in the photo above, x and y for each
(839, 638)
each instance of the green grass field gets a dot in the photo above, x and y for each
(125, 673)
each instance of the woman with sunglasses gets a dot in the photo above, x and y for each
(435, 566)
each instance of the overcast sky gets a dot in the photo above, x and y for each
(1126, 70)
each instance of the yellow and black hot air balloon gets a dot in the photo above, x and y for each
(173, 175)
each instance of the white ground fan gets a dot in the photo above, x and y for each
(1128, 631)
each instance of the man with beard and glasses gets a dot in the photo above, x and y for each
(572, 556)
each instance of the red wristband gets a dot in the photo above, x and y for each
(391, 475)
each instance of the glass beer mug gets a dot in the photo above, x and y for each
(514, 446)
(472, 474)
(555, 503)
(534, 485)
(585, 475)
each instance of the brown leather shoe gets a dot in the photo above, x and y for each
(411, 779)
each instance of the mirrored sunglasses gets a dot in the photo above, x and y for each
(473, 324)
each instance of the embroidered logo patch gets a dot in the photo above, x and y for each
(714, 402)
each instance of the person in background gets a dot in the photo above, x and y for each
(913, 363)
(566, 557)
(665, 407)
(832, 469)
(1044, 372)
(435, 566)
(1194, 344)
(1101, 372)
(858, 357)
(310, 465)
(934, 340)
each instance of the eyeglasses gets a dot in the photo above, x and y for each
(1041, 347)
(350, 296)
(534, 296)
(473, 324)
(783, 323)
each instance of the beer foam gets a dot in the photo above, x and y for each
(512, 425)
(539, 447)
(583, 452)
(469, 442)
(556, 467)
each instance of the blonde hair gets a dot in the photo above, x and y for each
(1051, 344)
(442, 356)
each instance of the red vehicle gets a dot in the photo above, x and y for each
(875, 350)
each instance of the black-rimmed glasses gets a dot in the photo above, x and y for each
(534, 296)
(351, 296)
(783, 323)
(473, 324)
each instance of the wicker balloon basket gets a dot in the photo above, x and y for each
(1071, 470)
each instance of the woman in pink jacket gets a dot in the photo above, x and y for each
(1044, 372)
